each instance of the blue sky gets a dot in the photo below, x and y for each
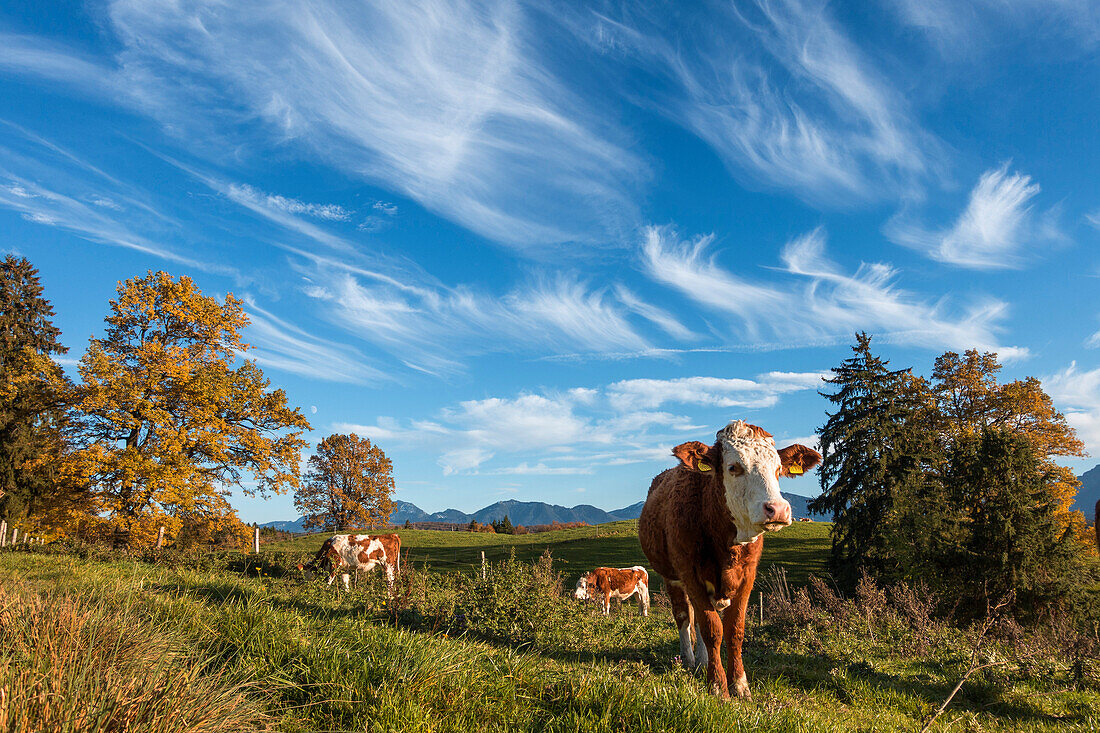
(527, 250)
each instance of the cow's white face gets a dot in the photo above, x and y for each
(745, 463)
(581, 594)
(749, 470)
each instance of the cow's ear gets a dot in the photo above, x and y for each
(696, 456)
(797, 459)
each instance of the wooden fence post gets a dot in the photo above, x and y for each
(483, 564)
(14, 535)
(160, 537)
(255, 540)
(3, 534)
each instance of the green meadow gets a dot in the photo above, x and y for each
(800, 548)
(229, 642)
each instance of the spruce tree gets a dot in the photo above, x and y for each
(877, 452)
(32, 391)
(1015, 541)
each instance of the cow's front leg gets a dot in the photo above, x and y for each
(710, 628)
(347, 582)
(734, 630)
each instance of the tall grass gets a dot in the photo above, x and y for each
(68, 664)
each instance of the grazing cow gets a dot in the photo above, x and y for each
(343, 554)
(702, 529)
(603, 584)
(805, 519)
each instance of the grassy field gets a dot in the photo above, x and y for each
(215, 644)
(801, 548)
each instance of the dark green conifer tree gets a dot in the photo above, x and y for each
(1015, 540)
(32, 386)
(879, 455)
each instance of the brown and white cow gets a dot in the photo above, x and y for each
(344, 554)
(702, 529)
(603, 584)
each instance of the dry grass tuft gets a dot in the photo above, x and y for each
(71, 665)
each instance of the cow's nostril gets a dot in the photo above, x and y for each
(773, 510)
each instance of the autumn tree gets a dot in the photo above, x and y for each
(34, 416)
(348, 484)
(970, 400)
(174, 417)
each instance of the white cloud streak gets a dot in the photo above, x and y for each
(432, 327)
(328, 212)
(445, 101)
(830, 305)
(990, 233)
(783, 96)
(281, 345)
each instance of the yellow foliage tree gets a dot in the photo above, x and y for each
(171, 424)
(348, 484)
(971, 399)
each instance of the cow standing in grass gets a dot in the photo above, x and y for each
(702, 529)
(603, 584)
(344, 554)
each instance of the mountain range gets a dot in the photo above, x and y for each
(527, 513)
(1088, 493)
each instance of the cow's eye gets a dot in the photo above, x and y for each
(737, 469)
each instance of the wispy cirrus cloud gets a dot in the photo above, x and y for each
(991, 232)
(964, 29)
(95, 223)
(829, 305)
(433, 328)
(445, 101)
(782, 95)
(49, 185)
(328, 212)
(280, 344)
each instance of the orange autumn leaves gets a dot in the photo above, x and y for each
(169, 420)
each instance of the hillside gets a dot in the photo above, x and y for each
(527, 513)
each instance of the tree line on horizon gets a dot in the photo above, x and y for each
(168, 417)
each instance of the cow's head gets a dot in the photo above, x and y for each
(581, 594)
(746, 466)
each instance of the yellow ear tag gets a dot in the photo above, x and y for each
(704, 466)
(794, 468)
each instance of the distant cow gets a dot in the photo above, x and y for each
(603, 584)
(343, 554)
(702, 529)
(805, 519)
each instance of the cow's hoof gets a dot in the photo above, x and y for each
(741, 688)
